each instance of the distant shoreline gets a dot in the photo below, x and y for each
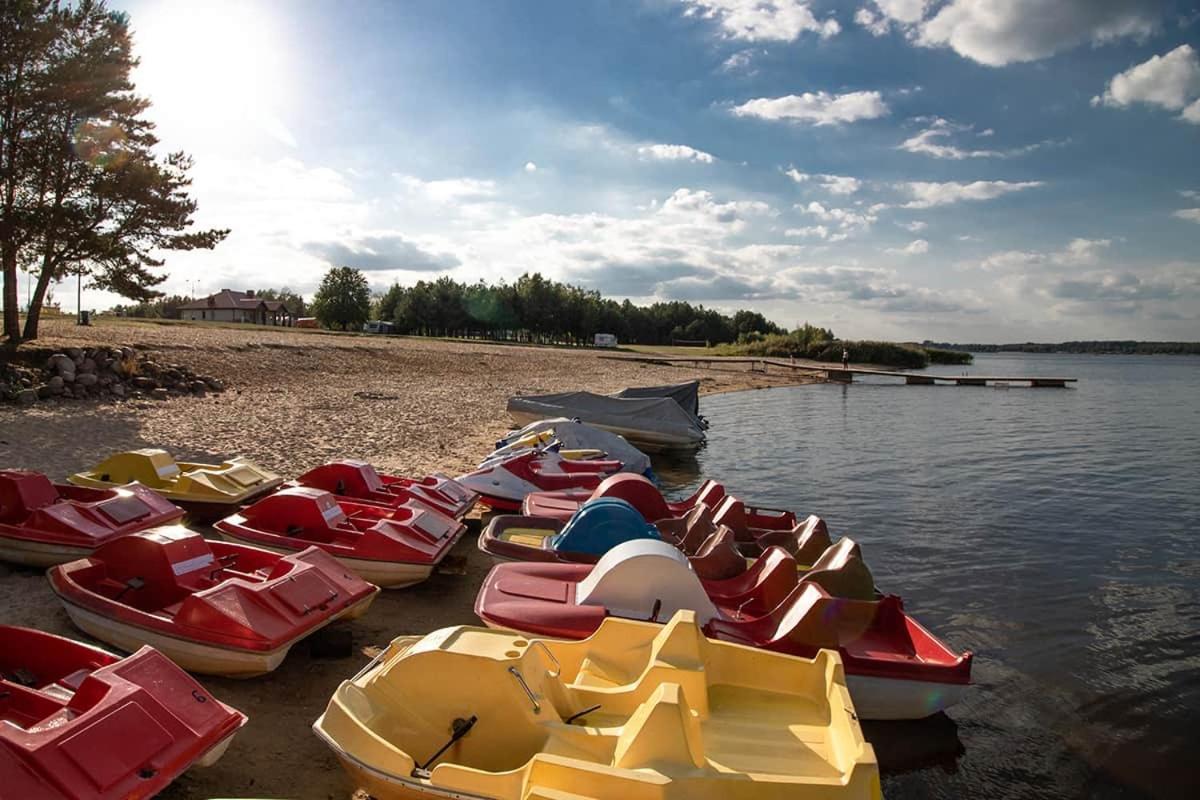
(1112, 347)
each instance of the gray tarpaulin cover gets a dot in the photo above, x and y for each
(662, 420)
(686, 394)
(578, 436)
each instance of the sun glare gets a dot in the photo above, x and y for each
(214, 68)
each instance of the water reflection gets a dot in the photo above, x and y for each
(904, 746)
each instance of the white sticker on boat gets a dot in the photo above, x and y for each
(332, 514)
(167, 470)
(192, 564)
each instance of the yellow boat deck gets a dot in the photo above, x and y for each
(231, 481)
(636, 712)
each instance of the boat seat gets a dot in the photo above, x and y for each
(691, 531)
(662, 730)
(73, 680)
(732, 513)
(22, 492)
(719, 559)
(842, 572)
(759, 589)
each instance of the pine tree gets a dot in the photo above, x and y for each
(88, 194)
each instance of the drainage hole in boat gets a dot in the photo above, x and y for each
(520, 643)
(146, 773)
(512, 654)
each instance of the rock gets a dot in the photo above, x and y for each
(27, 397)
(126, 353)
(66, 392)
(76, 354)
(105, 379)
(26, 383)
(215, 384)
(199, 387)
(88, 365)
(86, 379)
(44, 392)
(55, 384)
(69, 377)
(61, 363)
(159, 394)
(141, 382)
(117, 389)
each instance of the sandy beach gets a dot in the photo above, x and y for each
(297, 399)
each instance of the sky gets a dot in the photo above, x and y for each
(961, 170)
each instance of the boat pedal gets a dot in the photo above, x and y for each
(459, 728)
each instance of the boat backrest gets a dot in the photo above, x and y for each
(775, 577)
(297, 508)
(663, 730)
(711, 493)
(731, 512)
(22, 491)
(806, 617)
(600, 525)
(349, 477)
(170, 563)
(698, 526)
(149, 466)
(719, 558)
(645, 579)
(812, 539)
(638, 491)
(842, 572)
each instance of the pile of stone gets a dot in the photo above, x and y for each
(114, 373)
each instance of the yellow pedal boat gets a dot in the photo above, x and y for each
(207, 492)
(635, 712)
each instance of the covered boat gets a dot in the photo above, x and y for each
(390, 546)
(652, 424)
(78, 723)
(896, 669)
(642, 494)
(358, 480)
(635, 712)
(687, 395)
(206, 492)
(44, 523)
(574, 435)
(504, 485)
(212, 607)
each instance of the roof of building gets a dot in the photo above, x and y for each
(229, 299)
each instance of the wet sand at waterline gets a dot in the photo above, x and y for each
(295, 400)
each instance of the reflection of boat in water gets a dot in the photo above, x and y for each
(908, 745)
(676, 470)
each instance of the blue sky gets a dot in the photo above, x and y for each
(950, 169)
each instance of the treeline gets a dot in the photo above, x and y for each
(1111, 347)
(819, 344)
(537, 309)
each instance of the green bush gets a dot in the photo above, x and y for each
(887, 354)
(938, 356)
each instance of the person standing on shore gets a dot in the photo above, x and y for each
(845, 358)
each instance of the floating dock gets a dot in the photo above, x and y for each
(835, 373)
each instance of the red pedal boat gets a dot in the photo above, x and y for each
(504, 485)
(44, 523)
(79, 723)
(212, 607)
(643, 495)
(391, 547)
(358, 480)
(895, 668)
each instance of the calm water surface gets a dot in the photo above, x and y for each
(1051, 531)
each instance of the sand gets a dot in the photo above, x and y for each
(295, 400)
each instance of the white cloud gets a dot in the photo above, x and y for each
(999, 33)
(929, 194)
(834, 184)
(818, 108)
(846, 220)
(1190, 194)
(1078, 252)
(674, 152)
(764, 20)
(739, 62)
(530, 166)
(876, 24)
(932, 142)
(1190, 214)
(1171, 81)
(819, 231)
(450, 190)
(913, 248)
(914, 226)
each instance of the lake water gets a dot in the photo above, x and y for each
(1052, 531)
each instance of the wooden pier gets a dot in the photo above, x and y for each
(836, 374)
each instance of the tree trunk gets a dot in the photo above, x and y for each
(12, 320)
(34, 314)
